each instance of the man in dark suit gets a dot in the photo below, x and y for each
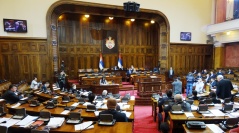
(10, 95)
(118, 116)
(171, 73)
(224, 87)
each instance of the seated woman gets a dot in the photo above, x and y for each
(194, 97)
(103, 81)
(45, 86)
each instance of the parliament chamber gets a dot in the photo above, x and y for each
(71, 49)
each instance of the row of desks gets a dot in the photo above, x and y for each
(119, 127)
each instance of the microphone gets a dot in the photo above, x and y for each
(93, 123)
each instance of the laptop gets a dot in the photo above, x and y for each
(203, 109)
(177, 109)
(90, 108)
(106, 120)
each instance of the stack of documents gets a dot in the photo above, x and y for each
(55, 122)
(8, 122)
(127, 113)
(16, 105)
(84, 125)
(27, 121)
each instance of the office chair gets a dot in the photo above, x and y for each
(3, 129)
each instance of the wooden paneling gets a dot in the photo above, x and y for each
(220, 11)
(23, 59)
(185, 58)
(137, 42)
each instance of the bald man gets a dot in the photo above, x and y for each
(118, 116)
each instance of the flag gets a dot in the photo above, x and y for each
(101, 63)
(120, 64)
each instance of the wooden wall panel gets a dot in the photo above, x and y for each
(137, 42)
(185, 58)
(23, 59)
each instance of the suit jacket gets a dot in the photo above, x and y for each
(119, 117)
(11, 97)
(170, 75)
(224, 88)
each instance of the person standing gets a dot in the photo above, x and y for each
(177, 86)
(62, 80)
(190, 80)
(224, 87)
(34, 85)
(171, 73)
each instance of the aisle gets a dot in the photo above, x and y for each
(143, 121)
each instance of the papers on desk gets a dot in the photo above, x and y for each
(189, 114)
(10, 122)
(233, 115)
(97, 113)
(123, 106)
(86, 103)
(75, 104)
(194, 108)
(85, 93)
(208, 115)
(24, 98)
(132, 97)
(216, 112)
(84, 125)
(2, 100)
(16, 105)
(37, 92)
(127, 113)
(56, 97)
(56, 89)
(27, 120)
(215, 128)
(56, 122)
(65, 112)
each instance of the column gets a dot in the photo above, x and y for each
(218, 55)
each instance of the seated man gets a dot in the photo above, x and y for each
(199, 86)
(91, 98)
(162, 100)
(118, 116)
(178, 100)
(45, 86)
(34, 85)
(194, 97)
(104, 94)
(214, 97)
(10, 95)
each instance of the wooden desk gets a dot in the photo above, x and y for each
(96, 81)
(207, 130)
(176, 121)
(98, 89)
(57, 112)
(119, 127)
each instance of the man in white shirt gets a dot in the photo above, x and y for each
(34, 84)
(199, 86)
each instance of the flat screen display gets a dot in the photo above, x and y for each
(15, 25)
(185, 36)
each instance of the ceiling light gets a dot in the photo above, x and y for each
(228, 33)
(132, 20)
(152, 21)
(87, 15)
(111, 18)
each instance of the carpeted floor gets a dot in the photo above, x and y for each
(143, 120)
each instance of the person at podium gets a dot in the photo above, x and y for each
(103, 81)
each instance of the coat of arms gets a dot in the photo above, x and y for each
(110, 43)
